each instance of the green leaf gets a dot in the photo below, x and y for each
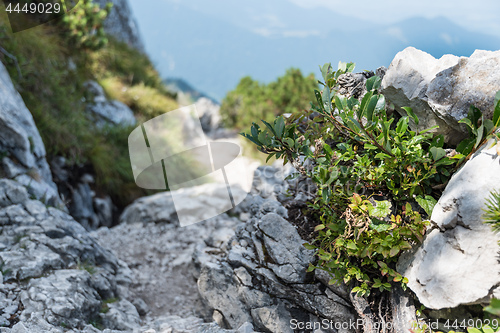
(268, 126)
(327, 99)
(328, 149)
(373, 83)
(479, 134)
(488, 126)
(402, 125)
(342, 67)
(254, 130)
(350, 67)
(427, 203)
(487, 329)
(382, 209)
(264, 138)
(324, 71)
(289, 141)
(357, 124)
(372, 105)
(473, 330)
(496, 112)
(351, 245)
(362, 106)
(494, 307)
(394, 251)
(340, 102)
(319, 99)
(466, 146)
(428, 129)
(270, 156)
(255, 141)
(319, 227)
(279, 126)
(437, 153)
(380, 227)
(309, 246)
(437, 141)
(410, 113)
(380, 104)
(467, 122)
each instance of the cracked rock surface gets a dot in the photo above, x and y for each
(457, 264)
(54, 276)
(261, 277)
(22, 152)
(441, 91)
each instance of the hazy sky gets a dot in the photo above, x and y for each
(476, 15)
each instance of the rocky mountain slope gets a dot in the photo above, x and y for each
(244, 270)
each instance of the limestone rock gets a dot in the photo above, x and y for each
(122, 316)
(155, 208)
(160, 257)
(197, 201)
(104, 211)
(121, 24)
(53, 272)
(353, 84)
(283, 244)
(209, 113)
(440, 91)
(22, 151)
(261, 277)
(458, 260)
(104, 111)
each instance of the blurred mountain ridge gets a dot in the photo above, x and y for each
(214, 44)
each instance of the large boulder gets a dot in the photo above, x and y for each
(22, 152)
(261, 277)
(160, 257)
(458, 260)
(53, 274)
(121, 24)
(209, 113)
(441, 91)
(104, 111)
(198, 202)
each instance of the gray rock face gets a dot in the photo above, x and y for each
(261, 277)
(209, 113)
(104, 211)
(22, 152)
(81, 207)
(155, 208)
(121, 23)
(54, 274)
(104, 112)
(440, 91)
(160, 256)
(458, 260)
(83, 204)
(353, 84)
(196, 201)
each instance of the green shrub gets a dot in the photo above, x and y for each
(375, 179)
(56, 98)
(146, 101)
(252, 100)
(83, 25)
(492, 211)
(127, 64)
